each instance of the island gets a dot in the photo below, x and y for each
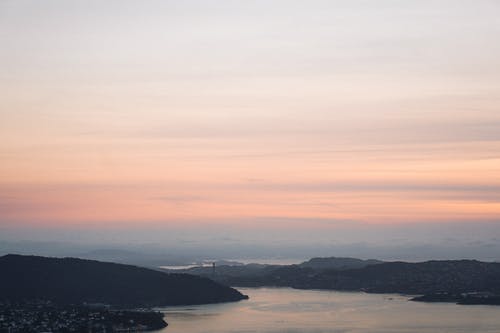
(458, 281)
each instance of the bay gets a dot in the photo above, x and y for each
(273, 310)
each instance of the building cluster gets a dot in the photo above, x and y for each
(39, 317)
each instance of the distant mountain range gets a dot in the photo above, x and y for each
(71, 280)
(229, 271)
(150, 260)
(338, 263)
(74, 281)
(461, 281)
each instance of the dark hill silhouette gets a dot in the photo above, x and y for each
(461, 281)
(449, 276)
(338, 263)
(223, 272)
(70, 280)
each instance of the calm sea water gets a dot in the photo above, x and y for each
(273, 310)
(208, 263)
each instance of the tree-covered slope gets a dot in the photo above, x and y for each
(71, 280)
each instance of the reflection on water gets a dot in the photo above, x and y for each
(273, 310)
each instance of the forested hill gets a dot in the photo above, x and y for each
(459, 281)
(338, 263)
(462, 281)
(71, 280)
(454, 276)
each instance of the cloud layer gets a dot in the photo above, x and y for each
(254, 115)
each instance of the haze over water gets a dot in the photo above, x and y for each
(285, 310)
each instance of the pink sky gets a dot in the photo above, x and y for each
(133, 114)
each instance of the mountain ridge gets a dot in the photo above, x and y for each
(461, 281)
(73, 280)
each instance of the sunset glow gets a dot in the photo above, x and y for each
(181, 114)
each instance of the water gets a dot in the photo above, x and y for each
(271, 261)
(285, 310)
(185, 266)
(208, 263)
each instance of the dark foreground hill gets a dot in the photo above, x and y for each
(71, 280)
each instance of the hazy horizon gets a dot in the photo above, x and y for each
(251, 128)
(409, 243)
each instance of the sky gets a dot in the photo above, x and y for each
(266, 122)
